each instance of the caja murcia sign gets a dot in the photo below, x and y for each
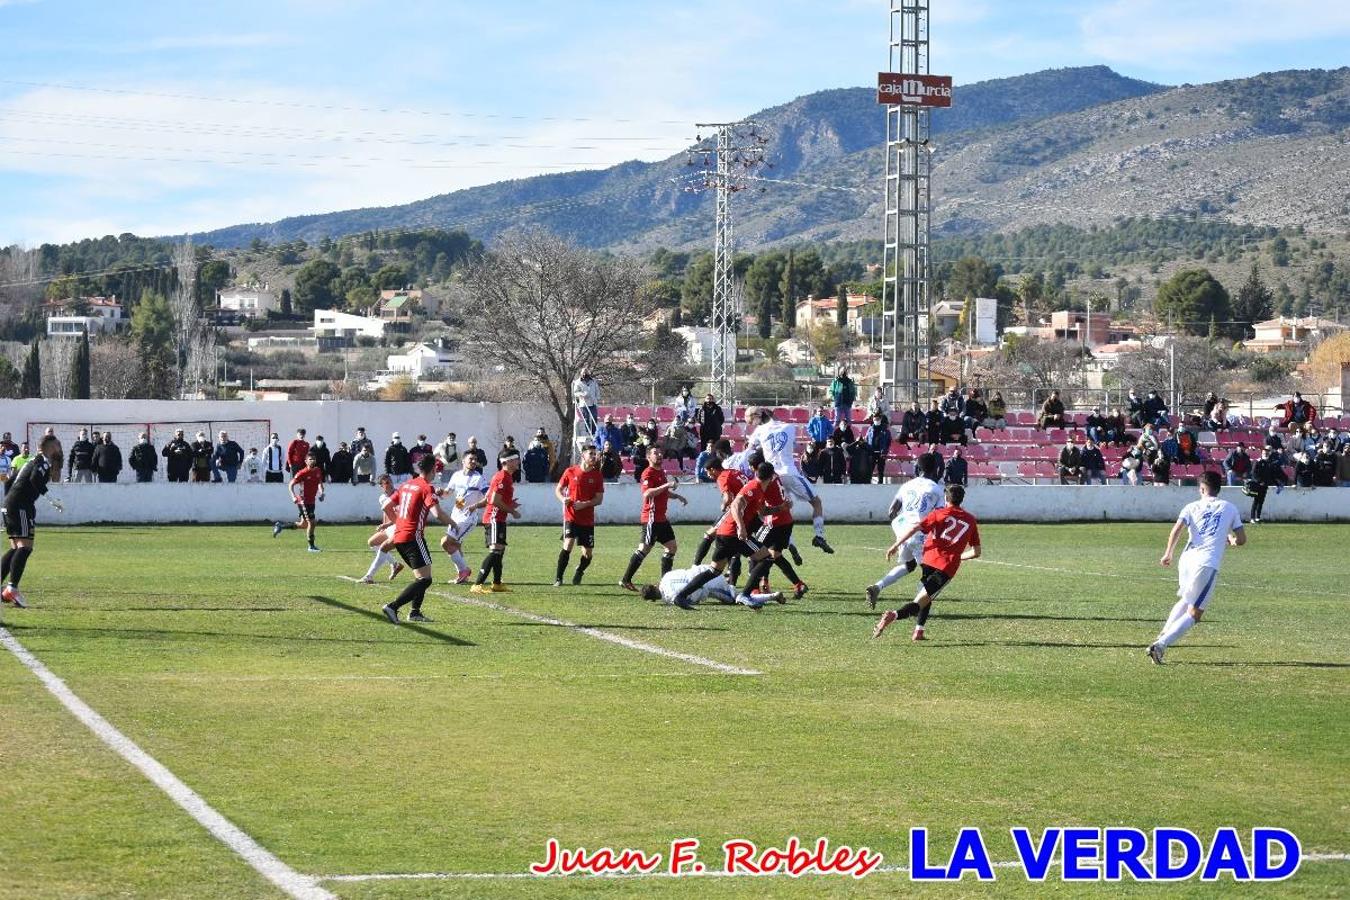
(895, 89)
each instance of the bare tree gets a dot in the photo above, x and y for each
(1033, 367)
(58, 358)
(544, 309)
(116, 370)
(1194, 366)
(194, 342)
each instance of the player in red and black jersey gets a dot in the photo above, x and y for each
(776, 533)
(310, 481)
(657, 489)
(952, 536)
(580, 490)
(733, 539)
(729, 483)
(414, 500)
(499, 503)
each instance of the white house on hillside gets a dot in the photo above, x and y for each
(700, 342)
(811, 310)
(333, 329)
(423, 359)
(249, 301)
(103, 315)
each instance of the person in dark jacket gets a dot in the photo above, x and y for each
(1052, 412)
(611, 464)
(860, 461)
(177, 454)
(1094, 464)
(933, 424)
(144, 460)
(1095, 425)
(227, 457)
(1267, 471)
(535, 463)
(107, 460)
(628, 433)
(420, 449)
(202, 453)
(976, 411)
(711, 420)
(322, 455)
(397, 465)
(340, 465)
(1155, 410)
(80, 462)
(833, 462)
(939, 463)
(878, 437)
(509, 450)
(957, 471)
(1237, 465)
(1070, 463)
(913, 425)
(953, 428)
(476, 452)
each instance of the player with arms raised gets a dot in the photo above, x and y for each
(469, 486)
(1213, 524)
(953, 535)
(916, 499)
(580, 490)
(416, 499)
(777, 441)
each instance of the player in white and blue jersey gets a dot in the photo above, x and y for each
(777, 442)
(469, 487)
(718, 589)
(1213, 524)
(916, 499)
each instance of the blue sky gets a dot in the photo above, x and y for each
(160, 118)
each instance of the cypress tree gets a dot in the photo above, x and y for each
(31, 386)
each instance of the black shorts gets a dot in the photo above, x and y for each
(933, 580)
(306, 511)
(414, 552)
(494, 533)
(583, 534)
(775, 537)
(725, 548)
(273, 477)
(657, 533)
(19, 522)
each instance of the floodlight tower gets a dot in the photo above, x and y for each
(908, 92)
(728, 163)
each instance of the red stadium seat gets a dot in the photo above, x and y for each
(665, 414)
(799, 415)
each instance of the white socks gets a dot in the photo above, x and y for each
(381, 557)
(458, 559)
(893, 576)
(1175, 629)
(818, 523)
(1180, 609)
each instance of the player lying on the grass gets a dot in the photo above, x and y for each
(415, 500)
(382, 534)
(915, 499)
(580, 490)
(657, 489)
(469, 486)
(733, 540)
(717, 588)
(499, 503)
(20, 518)
(310, 481)
(1213, 524)
(777, 441)
(953, 535)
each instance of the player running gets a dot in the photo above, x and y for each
(383, 534)
(732, 540)
(916, 499)
(469, 486)
(953, 536)
(499, 503)
(777, 441)
(310, 481)
(580, 490)
(657, 490)
(19, 513)
(416, 498)
(717, 588)
(1213, 524)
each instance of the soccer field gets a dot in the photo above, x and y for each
(347, 746)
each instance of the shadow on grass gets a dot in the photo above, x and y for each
(178, 634)
(952, 617)
(616, 626)
(1064, 645)
(379, 617)
(104, 609)
(1277, 663)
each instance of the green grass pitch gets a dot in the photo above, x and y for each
(346, 745)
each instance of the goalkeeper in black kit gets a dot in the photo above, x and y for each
(19, 513)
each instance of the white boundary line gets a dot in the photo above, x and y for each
(711, 873)
(302, 887)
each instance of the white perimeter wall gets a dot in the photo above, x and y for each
(163, 502)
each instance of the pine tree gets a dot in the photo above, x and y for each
(766, 316)
(31, 385)
(79, 370)
(841, 308)
(1254, 303)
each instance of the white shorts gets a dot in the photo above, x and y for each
(1195, 582)
(458, 531)
(912, 549)
(797, 485)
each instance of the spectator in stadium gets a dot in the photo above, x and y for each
(1188, 447)
(340, 464)
(878, 436)
(701, 462)
(476, 452)
(952, 401)
(1161, 468)
(8, 447)
(397, 464)
(144, 460)
(685, 402)
(842, 434)
(609, 432)
(228, 456)
(1052, 412)
(1135, 404)
(586, 392)
(1267, 472)
(649, 436)
(711, 420)
(49, 445)
(833, 462)
(202, 452)
(976, 411)
(877, 404)
(956, 470)
(913, 425)
(843, 394)
(997, 416)
(107, 460)
(253, 467)
(1094, 464)
(1305, 468)
(178, 457)
(535, 464)
(1324, 465)
(1116, 428)
(1095, 425)
(80, 468)
(296, 451)
(1070, 462)
(819, 428)
(274, 461)
(630, 433)
(363, 466)
(447, 454)
(953, 428)
(362, 441)
(611, 463)
(1217, 420)
(860, 459)
(933, 424)
(1155, 410)
(1342, 466)
(509, 451)
(322, 455)
(418, 450)
(811, 462)
(21, 458)
(939, 462)
(1147, 445)
(1131, 466)
(1168, 445)
(1237, 465)
(1297, 411)
(1274, 441)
